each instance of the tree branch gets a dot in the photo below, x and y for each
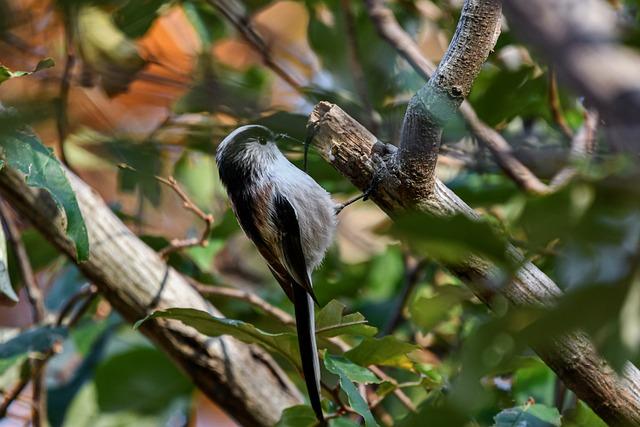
(351, 149)
(580, 39)
(390, 30)
(135, 280)
(234, 13)
(438, 100)
(556, 108)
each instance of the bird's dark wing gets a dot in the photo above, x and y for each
(285, 217)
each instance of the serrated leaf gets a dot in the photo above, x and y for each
(284, 343)
(355, 373)
(355, 400)
(387, 351)
(6, 73)
(7, 295)
(298, 416)
(528, 416)
(331, 322)
(24, 151)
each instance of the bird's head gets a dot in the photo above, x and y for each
(247, 153)
(246, 143)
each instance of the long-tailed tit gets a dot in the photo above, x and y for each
(291, 220)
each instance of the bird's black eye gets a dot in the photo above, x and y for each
(262, 140)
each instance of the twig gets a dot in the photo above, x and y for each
(287, 319)
(413, 269)
(89, 294)
(85, 293)
(582, 145)
(359, 77)
(65, 85)
(187, 203)
(556, 108)
(391, 31)
(26, 270)
(246, 296)
(38, 408)
(404, 399)
(243, 25)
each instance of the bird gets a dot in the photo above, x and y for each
(291, 220)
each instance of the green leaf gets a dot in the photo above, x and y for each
(285, 343)
(331, 322)
(24, 151)
(427, 311)
(582, 416)
(298, 416)
(7, 294)
(6, 73)
(32, 340)
(144, 373)
(205, 21)
(354, 372)
(452, 239)
(134, 18)
(85, 412)
(528, 416)
(387, 351)
(197, 174)
(355, 400)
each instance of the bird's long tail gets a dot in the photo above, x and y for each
(305, 323)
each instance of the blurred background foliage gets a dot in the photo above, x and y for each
(145, 88)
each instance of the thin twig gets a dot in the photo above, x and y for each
(404, 399)
(65, 85)
(556, 108)
(582, 145)
(413, 269)
(85, 293)
(243, 25)
(26, 270)
(249, 297)
(359, 77)
(187, 203)
(38, 408)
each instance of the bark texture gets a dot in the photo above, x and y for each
(242, 379)
(353, 151)
(437, 101)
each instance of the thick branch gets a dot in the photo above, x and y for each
(241, 378)
(389, 29)
(351, 149)
(437, 101)
(579, 38)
